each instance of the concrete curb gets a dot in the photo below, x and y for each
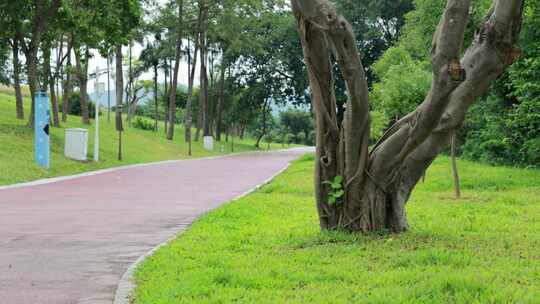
(103, 171)
(126, 285)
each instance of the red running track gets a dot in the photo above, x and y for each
(70, 241)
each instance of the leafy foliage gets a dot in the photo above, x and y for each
(504, 128)
(336, 190)
(403, 84)
(501, 128)
(143, 124)
(297, 122)
(377, 24)
(4, 74)
(74, 107)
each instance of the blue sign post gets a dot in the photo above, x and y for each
(41, 129)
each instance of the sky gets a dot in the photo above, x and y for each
(99, 62)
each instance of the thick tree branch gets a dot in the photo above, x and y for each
(492, 51)
(447, 75)
(319, 68)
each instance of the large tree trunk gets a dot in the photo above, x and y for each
(54, 102)
(263, 131)
(31, 63)
(203, 100)
(133, 104)
(189, 104)
(67, 87)
(174, 84)
(166, 119)
(43, 15)
(119, 97)
(371, 189)
(17, 79)
(48, 81)
(174, 87)
(82, 76)
(221, 102)
(56, 78)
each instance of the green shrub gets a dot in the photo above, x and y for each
(401, 90)
(144, 124)
(75, 106)
(312, 138)
(531, 150)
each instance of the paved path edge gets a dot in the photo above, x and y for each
(126, 286)
(51, 180)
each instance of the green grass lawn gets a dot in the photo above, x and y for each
(267, 247)
(17, 151)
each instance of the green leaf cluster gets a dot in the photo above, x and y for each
(336, 192)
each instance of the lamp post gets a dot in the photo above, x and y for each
(98, 72)
(108, 88)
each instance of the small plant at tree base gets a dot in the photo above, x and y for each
(336, 190)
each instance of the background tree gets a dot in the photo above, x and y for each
(29, 29)
(150, 60)
(11, 17)
(377, 25)
(178, 53)
(297, 121)
(122, 18)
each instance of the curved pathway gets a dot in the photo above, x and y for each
(70, 241)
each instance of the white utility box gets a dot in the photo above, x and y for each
(76, 146)
(208, 143)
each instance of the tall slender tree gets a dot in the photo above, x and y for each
(39, 14)
(177, 57)
(192, 64)
(17, 78)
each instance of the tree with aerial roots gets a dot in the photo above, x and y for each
(364, 190)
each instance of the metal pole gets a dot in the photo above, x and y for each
(96, 139)
(108, 90)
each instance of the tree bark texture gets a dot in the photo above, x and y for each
(455, 172)
(264, 116)
(31, 63)
(17, 79)
(205, 119)
(48, 82)
(42, 16)
(119, 97)
(203, 100)
(192, 64)
(67, 87)
(174, 83)
(174, 86)
(377, 184)
(82, 75)
(221, 101)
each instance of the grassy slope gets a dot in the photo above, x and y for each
(267, 248)
(17, 154)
